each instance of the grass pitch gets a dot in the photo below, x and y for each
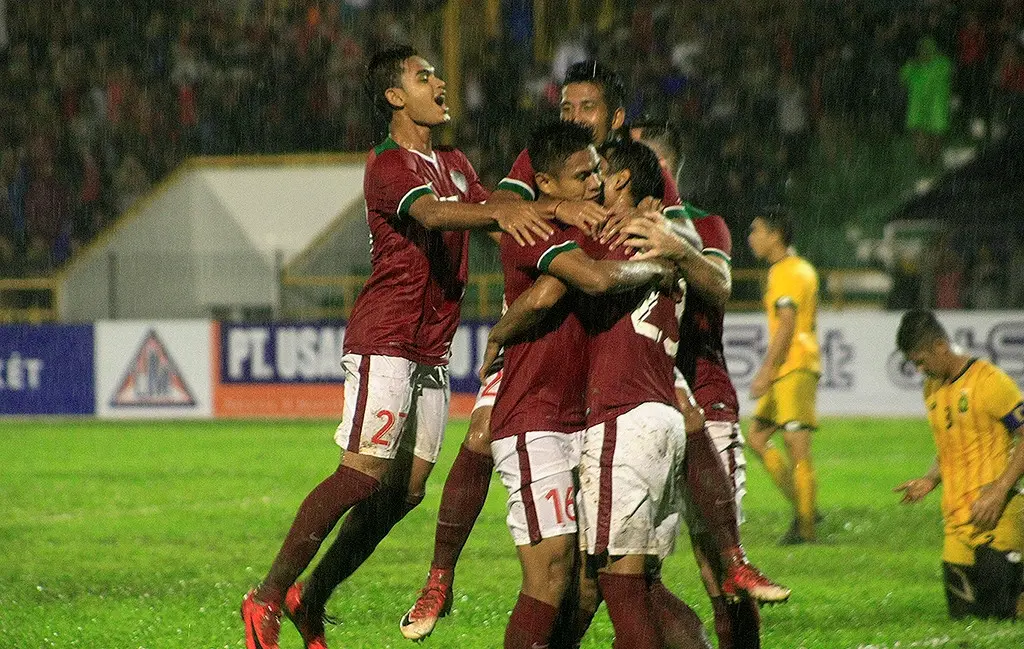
(146, 535)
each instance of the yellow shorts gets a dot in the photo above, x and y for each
(1008, 536)
(789, 404)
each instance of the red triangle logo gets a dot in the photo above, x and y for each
(152, 379)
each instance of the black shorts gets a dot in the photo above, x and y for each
(989, 588)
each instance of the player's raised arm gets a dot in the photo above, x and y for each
(523, 221)
(600, 277)
(523, 315)
(657, 236)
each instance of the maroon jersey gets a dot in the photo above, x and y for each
(520, 179)
(702, 358)
(632, 343)
(545, 376)
(409, 306)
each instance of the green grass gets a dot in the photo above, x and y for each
(147, 535)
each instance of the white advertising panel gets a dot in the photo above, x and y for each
(861, 371)
(153, 369)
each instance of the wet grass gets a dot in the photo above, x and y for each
(147, 535)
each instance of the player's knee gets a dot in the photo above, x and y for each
(478, 439)
(375, 467)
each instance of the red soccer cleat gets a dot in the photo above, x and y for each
(744, 577)
(309, 624)
(435, 602)
(262, 622)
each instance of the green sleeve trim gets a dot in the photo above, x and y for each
(718, 253)
(694, 212)
(517, 186)
(552, 252)
(675, 212)
(411, 196)
(388, 143)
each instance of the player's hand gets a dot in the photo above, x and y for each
(490, 353)
(652, 235)
(988, 508)
(914, 490)
(588, 216)
(524, 222)
(760, 385)
(620, 215)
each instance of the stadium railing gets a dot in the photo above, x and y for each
(28, 300)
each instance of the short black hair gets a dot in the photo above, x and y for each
(385, 71)
(607, 79)
(918, 328)
(778, 219)
(644, 167)
(660, 132)
(552, 144)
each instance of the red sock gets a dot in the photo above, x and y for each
(711, 489)
(681, 628)
(465, 491)
(746, 624)
(317, 516)
(360, 533)
(723, 622)
(530, 625)
(629, 607)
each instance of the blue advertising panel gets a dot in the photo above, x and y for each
(304, 353)
(46, 370)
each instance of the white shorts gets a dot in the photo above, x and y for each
(728, 440)
(488, 390)
(630, 473)
(539, 471)
(383, 394)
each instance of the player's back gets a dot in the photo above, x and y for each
(702, 359)
(411, 302)
(545, 375)
(632, 343)
(793, 281)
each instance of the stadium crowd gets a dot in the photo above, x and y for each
(99, 100)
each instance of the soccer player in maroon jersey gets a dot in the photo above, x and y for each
(633, 446)
(715, 535)
(421, 201)
(538, 415)
(594, 96)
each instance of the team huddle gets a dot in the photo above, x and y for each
(605, 405)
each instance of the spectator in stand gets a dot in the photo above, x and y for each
(130, 182)
(1010, 83)
(947, 269)
(928, 80)
(10, 234)
(1014, 296)
(793, 121)
(984, 291)
(972, 72)
(48, 218)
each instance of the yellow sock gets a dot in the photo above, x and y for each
(778, 468)
(806, 491)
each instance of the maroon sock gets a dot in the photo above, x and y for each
(465, 491)
(681, 628)
(629, 607)
(746, 624)
(360, 533)
(711, 489)
(317, 516)
(723, 622)
(530, 625)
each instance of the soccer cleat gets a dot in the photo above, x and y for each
(262, 622)
(309, 623)
(744, 577)
(435, 602)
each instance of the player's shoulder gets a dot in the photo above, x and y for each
(388, 154)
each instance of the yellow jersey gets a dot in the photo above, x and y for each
(793, 282)
(970, 416)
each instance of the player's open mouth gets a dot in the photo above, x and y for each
(439, 100)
